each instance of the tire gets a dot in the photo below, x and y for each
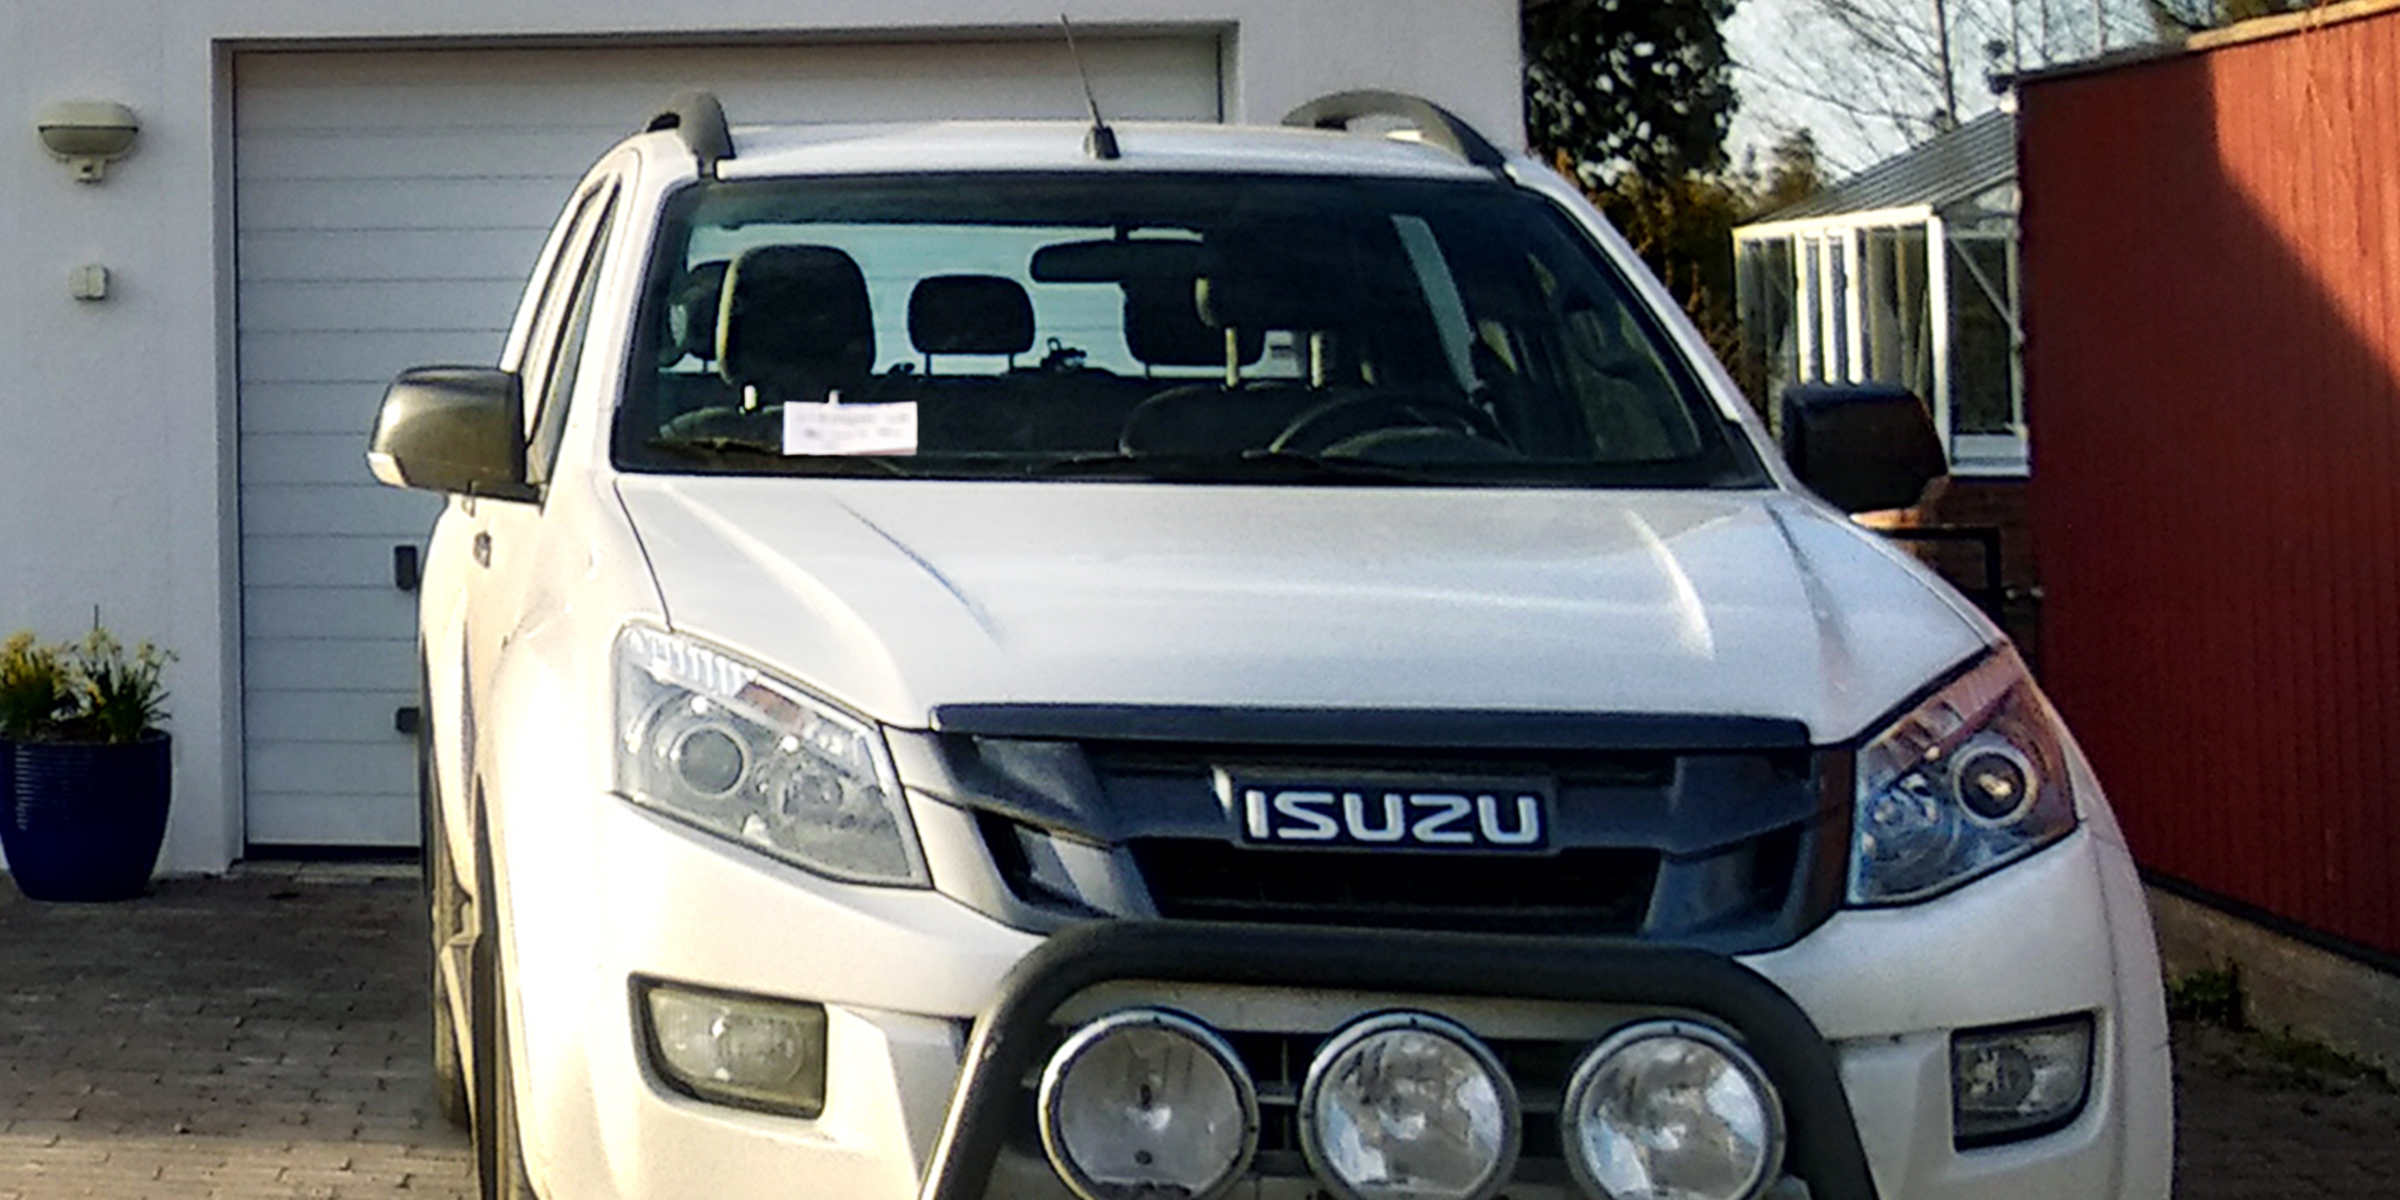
(499, 1157)
(445, 905)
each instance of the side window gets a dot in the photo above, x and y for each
(559, 328)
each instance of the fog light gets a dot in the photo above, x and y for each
(2013, 1082)
(744, 1051)
(1146, 1103)
(1408, 1106)
(1668, 1110)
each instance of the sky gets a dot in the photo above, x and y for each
(1768, 112)
(1778, 43)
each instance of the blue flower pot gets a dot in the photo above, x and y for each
(82, 821)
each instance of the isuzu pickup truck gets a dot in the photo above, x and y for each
(1049, 660)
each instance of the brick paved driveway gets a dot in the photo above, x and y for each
(263, 1036)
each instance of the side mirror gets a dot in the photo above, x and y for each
(453, 429)
(1862, 446)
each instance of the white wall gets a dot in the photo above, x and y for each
(116, 427)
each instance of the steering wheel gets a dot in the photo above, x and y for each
(1345, 417)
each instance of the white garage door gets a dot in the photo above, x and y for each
(390, 206)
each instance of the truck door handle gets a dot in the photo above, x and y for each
(483, 549)
(406, 573)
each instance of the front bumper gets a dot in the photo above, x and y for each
(938, 1012)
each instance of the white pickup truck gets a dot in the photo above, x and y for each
(1040, 660)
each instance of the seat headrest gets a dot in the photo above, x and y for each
(1288, 275)
(795, 321)
(692, 315)
(970, 314)
(1163, 326)
(1321, 276)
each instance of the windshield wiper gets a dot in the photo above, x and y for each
(715, 450)
(1247, 466)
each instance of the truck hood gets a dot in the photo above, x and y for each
(895, 597)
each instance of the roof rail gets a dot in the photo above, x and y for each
(700, 121)
(1436, 125)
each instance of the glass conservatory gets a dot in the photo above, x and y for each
(1906, 273)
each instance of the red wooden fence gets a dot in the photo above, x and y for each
(2212, 250)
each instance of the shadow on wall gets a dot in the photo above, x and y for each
(2212, 247)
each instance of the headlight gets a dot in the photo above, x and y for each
(718, 743)
(1668, 1110)
(1408, 1106)
(1970, 781)
(1146, 1103)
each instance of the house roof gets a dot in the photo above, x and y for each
(1945, 170)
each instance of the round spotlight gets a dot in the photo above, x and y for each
(1669, 1110)
(1146, 1103)
(1408, 1106)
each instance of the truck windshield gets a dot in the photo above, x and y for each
(1187, 328)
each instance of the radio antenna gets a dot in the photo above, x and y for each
(1101, 142)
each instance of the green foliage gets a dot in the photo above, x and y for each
(2290, 1060)
(1628, 86)
(2213, 995)
(1683, 228)
(94, 690)
(37, 687)
(1795, 170)
(124, 696)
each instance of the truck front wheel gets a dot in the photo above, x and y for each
(499, 1160)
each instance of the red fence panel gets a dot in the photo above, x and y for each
(2212, 248)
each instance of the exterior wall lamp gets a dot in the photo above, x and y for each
(87, 134)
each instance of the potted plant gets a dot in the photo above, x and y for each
(84, 766)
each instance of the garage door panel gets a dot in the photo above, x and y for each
(329, 718)
(356, 510)
(389, 206)
(503, 252)
(312, 408)
(368, 607)
(612, 94)
(332, 770)
(364, 819)
(369, 358)
(314, 559)
(398, 306)
(350, 206)
(536, 152)
(329, 664)
(599, 109)
(291, 458)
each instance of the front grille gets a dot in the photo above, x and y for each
(1575, 891)
(1727, 847)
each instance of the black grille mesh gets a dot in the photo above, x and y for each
(1576, 891)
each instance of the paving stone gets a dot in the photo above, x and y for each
(2261, 1116)
(257, 1037)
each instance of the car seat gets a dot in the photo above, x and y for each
(795, 325)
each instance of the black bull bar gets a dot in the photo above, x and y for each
(1823, 1144)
